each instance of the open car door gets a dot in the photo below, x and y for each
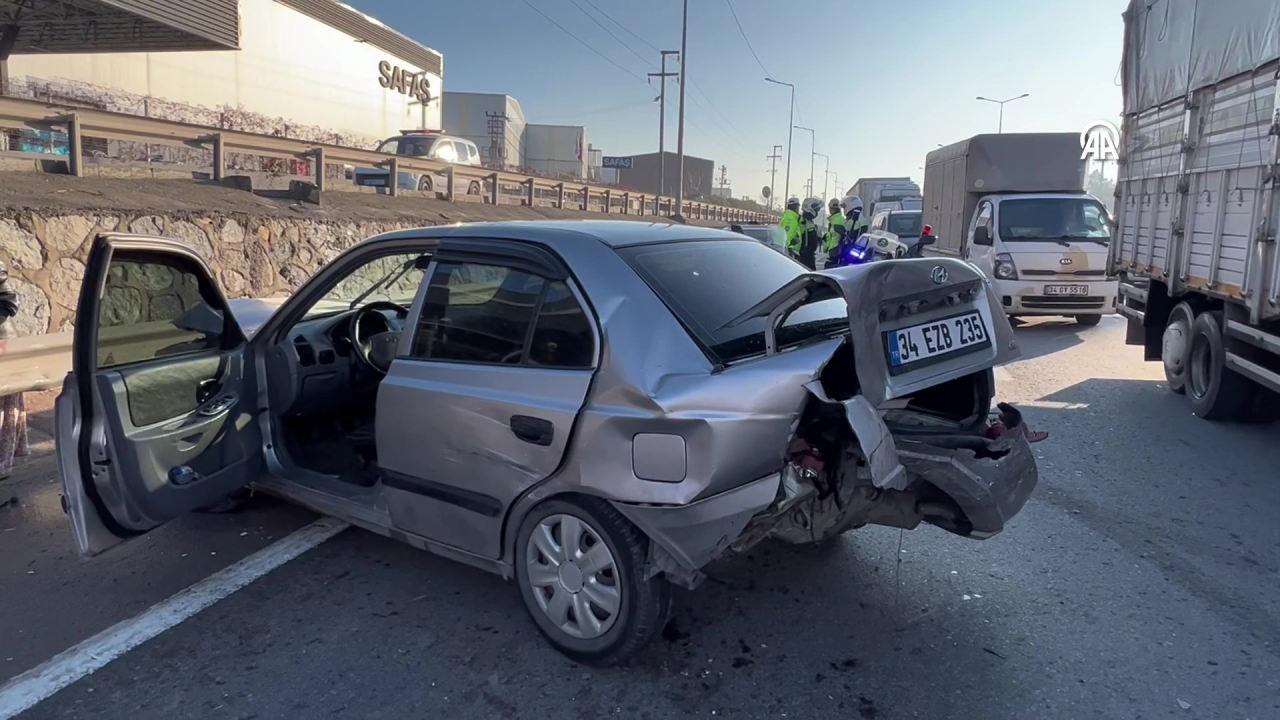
(156, 418)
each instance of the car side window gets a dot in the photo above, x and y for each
(562, 336)
(389, 146)
(483, 313)
(445, 151)
(153, 306)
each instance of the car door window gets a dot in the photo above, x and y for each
(445, 151)
(156, 305)
(389, 146)
(562, 336)
(477, 313)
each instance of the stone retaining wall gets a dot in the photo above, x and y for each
(251, 256)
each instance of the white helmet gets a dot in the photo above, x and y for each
(852, 203)
(813, 206)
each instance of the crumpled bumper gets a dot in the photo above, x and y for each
(990, 480)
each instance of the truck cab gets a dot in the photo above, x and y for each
(1046, 253)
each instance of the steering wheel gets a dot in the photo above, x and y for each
(363, 346)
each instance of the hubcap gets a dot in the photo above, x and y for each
(573, 576)
(1174, 350)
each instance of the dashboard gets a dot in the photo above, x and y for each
(319, 364)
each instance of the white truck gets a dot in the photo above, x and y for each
(1014, 205)
(878, 190)
(1196, 200)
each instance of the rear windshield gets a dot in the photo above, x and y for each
(707, 283)
(905, 224)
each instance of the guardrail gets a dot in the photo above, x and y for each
(37, 362)
(79, 123)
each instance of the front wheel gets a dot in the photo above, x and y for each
(1088, 320)
(580, 566)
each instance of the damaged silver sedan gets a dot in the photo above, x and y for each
(597, 409)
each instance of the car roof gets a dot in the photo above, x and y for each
(614, 233)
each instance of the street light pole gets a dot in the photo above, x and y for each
(1000, 127)
(826, 173)
(786, 187)
(684, 73)
(662, 120)
(812, 139)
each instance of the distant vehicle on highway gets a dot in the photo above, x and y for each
(596, 409)
(895, 233)
(886, 193)
(1014, 205)
(768, 233)
(429, 145)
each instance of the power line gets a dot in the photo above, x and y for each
(582, 42)
(624, 27)
(609, 32)
(743, 33)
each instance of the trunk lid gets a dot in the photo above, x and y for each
(911, 299)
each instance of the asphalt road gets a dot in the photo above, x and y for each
(1140, 581)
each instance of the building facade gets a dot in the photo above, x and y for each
(645, 173)
(309, 69)
(558, 151)
(493, 121)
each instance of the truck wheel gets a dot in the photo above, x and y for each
(1175, 346)
(1088, 320)
(1216, 391)
(424, 183)
(581, 568)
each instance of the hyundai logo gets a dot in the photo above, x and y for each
(1064, 261)
(938, 275)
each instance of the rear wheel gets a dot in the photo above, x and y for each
(1088, 320)
(1175, 346)
(424, 183)
(580, 567)
(473, 188)
(1216, 391)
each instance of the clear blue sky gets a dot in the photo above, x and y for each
(882, 83)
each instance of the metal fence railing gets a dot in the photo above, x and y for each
(80, 124)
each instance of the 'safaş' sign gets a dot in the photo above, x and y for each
(415, 84)
(614, 161)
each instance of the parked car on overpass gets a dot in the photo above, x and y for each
(596, 409)
(768, 233)
(429, 145)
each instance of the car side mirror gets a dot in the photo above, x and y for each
(982, 235)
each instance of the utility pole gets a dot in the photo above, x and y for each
(684, 78)
(773, 157)
(662, 119)
(786, 188)
(724, 180)
(826, 173)
(812, 139)
(836, 175)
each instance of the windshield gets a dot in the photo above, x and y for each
(390, 277)
(904, 224)
(1053, 219)
(707, 283)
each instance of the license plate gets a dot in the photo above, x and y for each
(1066, 289)
(921, 342)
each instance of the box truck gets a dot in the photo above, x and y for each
(1196, 200)
(879, 190)
(1014, 205)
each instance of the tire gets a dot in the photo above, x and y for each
(1088, 320)
(1175, 346)
(1216, 391)
(425, 184)
(473, 188)
(643, 605)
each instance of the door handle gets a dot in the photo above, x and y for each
(532, 430)
(205, 390)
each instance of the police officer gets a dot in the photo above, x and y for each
(790, 224)
(810, 237)
(835, 231)
(855, 224)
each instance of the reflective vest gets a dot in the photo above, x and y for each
(835, 229)
(790, 224)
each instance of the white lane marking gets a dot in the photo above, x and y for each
(42, 681)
